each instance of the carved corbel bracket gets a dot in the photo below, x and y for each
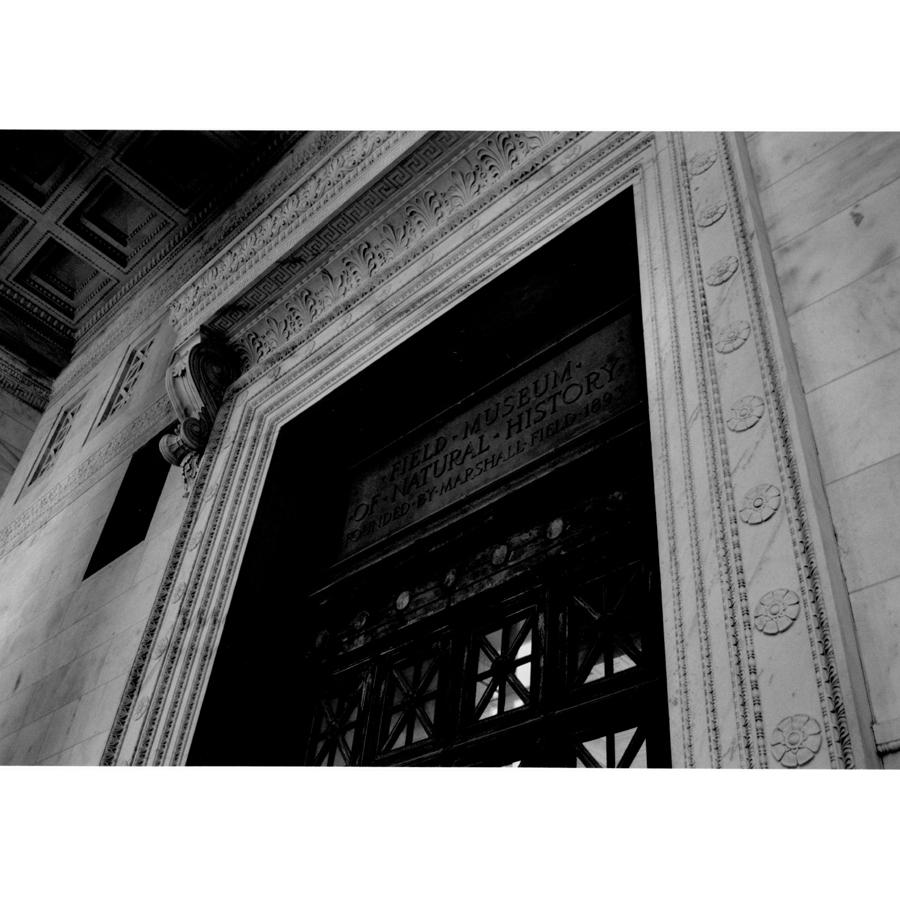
(200, 371)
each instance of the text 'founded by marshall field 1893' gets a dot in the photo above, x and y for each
(568, 394)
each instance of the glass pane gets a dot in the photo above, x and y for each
(640, 760)
(525, 648)
(622, 661)
(514, 628)
(523, 673)
(484, 664)
(395, 718)
(399, 740)
(597, 749)
(339, 757)
(408, 673)
(429, 710)
(597, 671)
(492, 705)
(419, 732)
(431, 684)
(494, 639)
(480, 688)
(513, 700)
(623, 739)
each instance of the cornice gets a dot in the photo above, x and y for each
(317, 196)
(20, 380)
(150, 298)
(39, 312)
(92, 318)
(495, 164)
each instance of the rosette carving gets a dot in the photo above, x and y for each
(776, 611)
(710, 214)
(722, 271)
(700, 162)
(760, 504)
(796, 740)
(745, 413)
(732, 336)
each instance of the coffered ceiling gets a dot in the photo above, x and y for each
(89, 217)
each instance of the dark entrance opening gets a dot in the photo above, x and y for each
(454, 558)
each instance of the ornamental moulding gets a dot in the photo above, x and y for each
(277, 231)
(88, 473)
(195, 383)
(17, 378)
(361, 268)
(726, 708)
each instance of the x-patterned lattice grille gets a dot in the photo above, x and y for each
(338, 727)
(128, 380)
(616, 750)
(504, 670)
(412, 693)
(605, 623)
(57, 439)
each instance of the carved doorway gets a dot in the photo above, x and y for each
(454, 560)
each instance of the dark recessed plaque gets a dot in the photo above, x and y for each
(532, 416)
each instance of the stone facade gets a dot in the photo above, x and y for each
(770, 321)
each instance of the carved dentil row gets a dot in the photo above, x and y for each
(491, 162)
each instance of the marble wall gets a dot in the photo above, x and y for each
(67, 642)
(831, 203)
(17, 424)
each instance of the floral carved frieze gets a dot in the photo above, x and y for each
(319, 188)
(446, 203)
(796, 740)
(776, 611)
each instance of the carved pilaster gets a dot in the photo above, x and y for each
(201, 370)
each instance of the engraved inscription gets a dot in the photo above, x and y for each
(565, 396)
